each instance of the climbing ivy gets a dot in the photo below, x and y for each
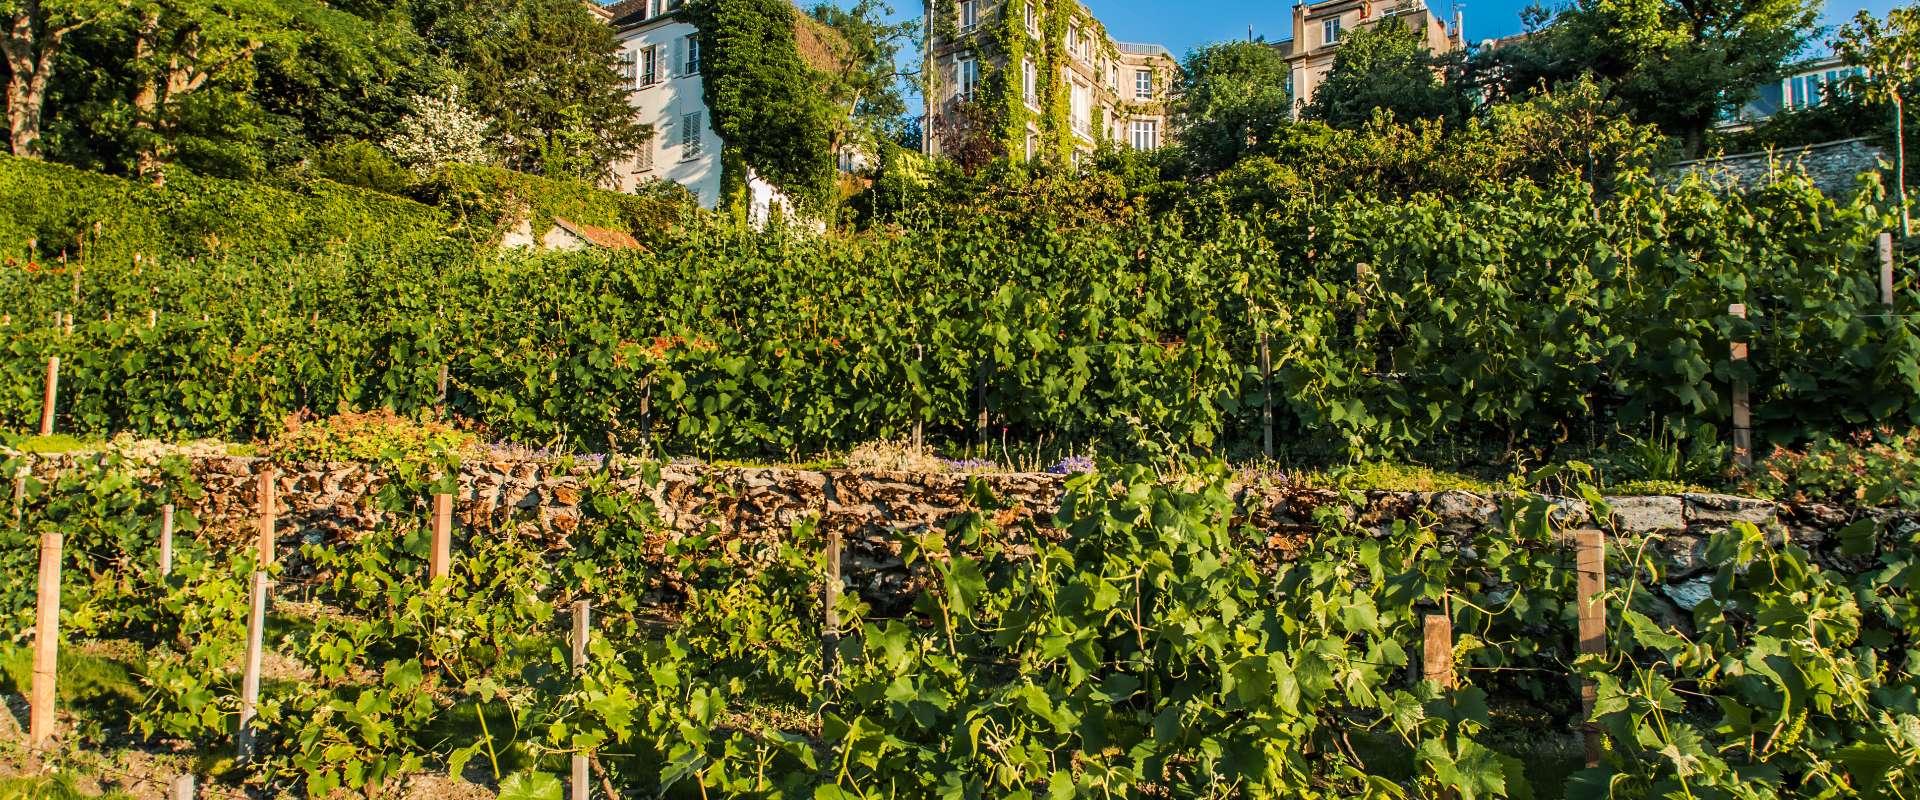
(765, 100)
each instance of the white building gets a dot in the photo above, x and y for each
(660, 57)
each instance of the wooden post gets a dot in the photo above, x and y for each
(646, 414)
(1591, 564)
(1266, 396)
(980, 395)
(166, 540)
(181, 789)
(919, 419)
(830, 628)
(269, 513)
(19, 496)
(1437, 653)
(47, 399)
(442, 535)
(582, 610)
(250, 682)
(443, 386)
(153, 319)
(1742, 412)
(46, 642)
(1886, 270)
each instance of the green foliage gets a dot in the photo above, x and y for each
(488, 200)
(766, 101)
(1872, 468)
(372, 436)
(1233, 98)
(352, 162)
(1673, 64)
(1382, 68)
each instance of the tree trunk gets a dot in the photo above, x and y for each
(146, 102)
(29, 51)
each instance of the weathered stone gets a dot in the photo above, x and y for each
(1686, 555)
(1648, 513)
(1726, 508)
(1459, 511)
(1688, 594)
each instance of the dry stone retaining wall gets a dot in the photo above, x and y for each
(322, 503)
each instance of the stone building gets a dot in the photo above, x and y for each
(1319, 27)
(1039, 79)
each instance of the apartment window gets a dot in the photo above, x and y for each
(1073, 39)
(689, 136)
(1146, 134)
(1033, 145)
(692, 65)
(969, 77)
(1082, 108)
(1330, 31)
(969, 15)
(628, 71)
(1033, 21)
(1143, 84)
(1029, 82)
(649, 66)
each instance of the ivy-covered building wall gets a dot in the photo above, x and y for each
(1038, 80)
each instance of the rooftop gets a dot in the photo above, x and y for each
(1132, 48)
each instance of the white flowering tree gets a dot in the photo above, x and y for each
(441, 130)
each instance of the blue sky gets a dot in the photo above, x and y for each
(1185, 24)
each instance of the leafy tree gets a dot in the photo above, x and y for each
(1677, 64)
(1384, 67)
(1573, 129)
(866, 81)
(1234, 98)
(1889, 51)
(544, 71)
(182, 46)
(35, 37)
(766, 102)
(441, 130)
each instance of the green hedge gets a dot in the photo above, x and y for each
(490, 199)
(103, 218)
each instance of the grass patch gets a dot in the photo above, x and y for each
(49, 787)
(43, 445)
(1387, 476)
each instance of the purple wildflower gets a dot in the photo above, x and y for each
(1072, 465)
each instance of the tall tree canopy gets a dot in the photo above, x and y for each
(1234, 98)
(1678, 64)
(1383, 67)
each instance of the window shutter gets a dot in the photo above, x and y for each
(678, 65)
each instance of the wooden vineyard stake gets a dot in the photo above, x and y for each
(582, 610)
(1591, 564)
(181, 788)
(47, 399)
(1886, 269)
(980, 394)
(269, 514)
(830, 627)
(442, 535)
(166, 540)
(1266, 397)
(46, 641)
(919, 423)
(1742, 411)
(19, 496)
(250, 682)
(153, 320)
(1437, 652)
(442, 403)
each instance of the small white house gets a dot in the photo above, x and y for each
(660, 58)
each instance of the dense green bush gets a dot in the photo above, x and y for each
(111, 220)
(487, 200)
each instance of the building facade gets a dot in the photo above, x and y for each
(1805, 85)
(660, 60)
(1039, 80)
(1319, 27)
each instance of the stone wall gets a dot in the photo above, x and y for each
(324, 503)
(1835, 167)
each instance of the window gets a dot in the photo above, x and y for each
(1029, 82)
(1073, 39)
(692, 67)
(650, 66)
(1113, 76)
(1082, 108)
(628, 71)
(1033, 20)
(1033, 145)
(1143, 84)
(969, 77)
(689, 136)
(1146, 134)
(643, 160)
(969, 15)
(1329, 31)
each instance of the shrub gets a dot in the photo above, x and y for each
(379, 435)
(1879, 467)
(494, 199)
(353, 162)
